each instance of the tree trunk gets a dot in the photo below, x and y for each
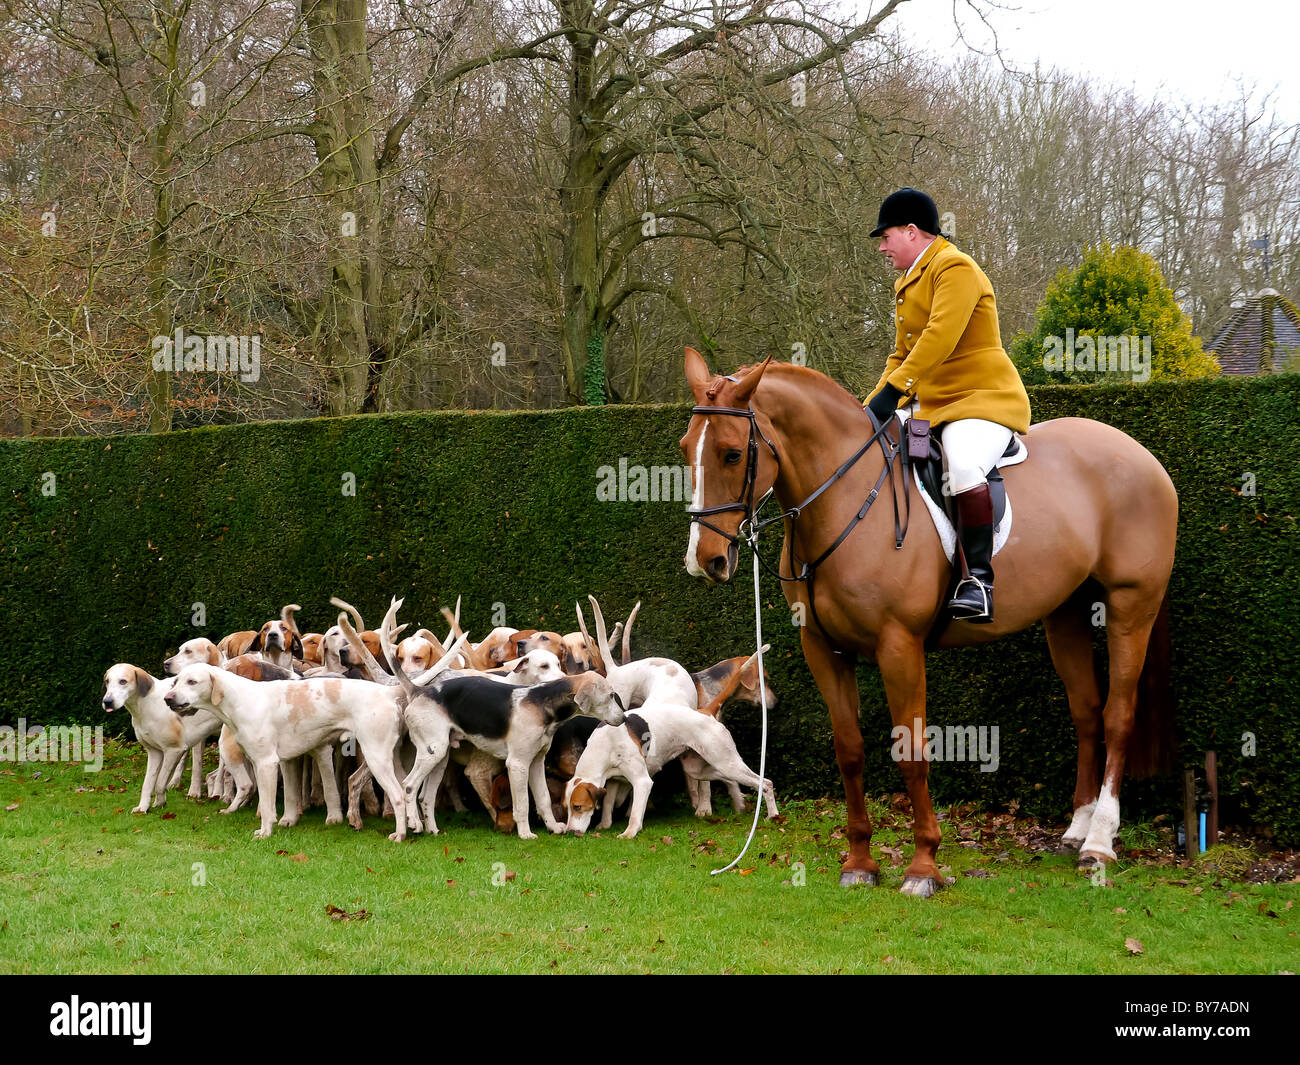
(580, 207)
(345, 151)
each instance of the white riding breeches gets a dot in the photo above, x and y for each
(971, 447)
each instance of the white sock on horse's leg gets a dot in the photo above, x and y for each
(1105, 823)
(1079, 825)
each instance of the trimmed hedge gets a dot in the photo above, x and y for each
(502, 508)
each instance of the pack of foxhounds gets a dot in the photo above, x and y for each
(523, 715)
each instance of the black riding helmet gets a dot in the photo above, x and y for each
(908, 207)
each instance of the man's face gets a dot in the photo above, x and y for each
(900, 245)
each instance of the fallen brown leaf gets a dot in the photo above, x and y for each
(337, 914)
(1134, 946)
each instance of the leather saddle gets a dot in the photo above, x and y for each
(930, 469)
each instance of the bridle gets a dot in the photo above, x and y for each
(751, 525)
(746, 500)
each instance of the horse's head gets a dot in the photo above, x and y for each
(732, 465)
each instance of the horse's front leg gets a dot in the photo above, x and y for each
(837, 680)
(901, 657)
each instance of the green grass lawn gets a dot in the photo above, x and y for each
(88, 887)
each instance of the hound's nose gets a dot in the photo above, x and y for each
(108, 703)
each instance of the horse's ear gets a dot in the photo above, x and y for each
(748, 383)
(697, 374)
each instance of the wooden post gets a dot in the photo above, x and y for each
(1190, 820)
(1212, 817)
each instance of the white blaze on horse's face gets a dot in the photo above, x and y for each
(697, 495)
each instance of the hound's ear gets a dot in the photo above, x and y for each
(214, 656)
(697, 374)
(517, 666)
(143, 682)
(295, 648)
(599, 792)
(217, 685)
(749, 382)
(256, 645)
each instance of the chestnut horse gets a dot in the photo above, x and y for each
(1089, 502)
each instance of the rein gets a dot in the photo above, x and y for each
(751, 527)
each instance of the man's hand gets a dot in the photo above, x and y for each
(885, 402)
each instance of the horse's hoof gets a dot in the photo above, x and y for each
(854, 877)
(920, 886)
(1068, 844)
(1090, 860)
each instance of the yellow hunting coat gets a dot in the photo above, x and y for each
(947, 348)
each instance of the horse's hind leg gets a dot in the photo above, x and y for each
(1069, 638)
(1130, 614)
(837, 680)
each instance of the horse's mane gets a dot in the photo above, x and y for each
(789, 369)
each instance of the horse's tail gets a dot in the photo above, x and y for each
(1151, 743)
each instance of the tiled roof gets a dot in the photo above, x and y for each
(1259, 336)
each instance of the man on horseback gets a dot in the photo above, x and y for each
(949, 366)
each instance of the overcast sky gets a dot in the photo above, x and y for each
(1180, 49)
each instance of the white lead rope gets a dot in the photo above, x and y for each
(762, 702)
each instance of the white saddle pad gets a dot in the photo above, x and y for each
(947, 534)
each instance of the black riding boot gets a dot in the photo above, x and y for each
(973, 600)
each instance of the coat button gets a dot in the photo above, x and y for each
(900, 319)
(900, 299)
(909, 336)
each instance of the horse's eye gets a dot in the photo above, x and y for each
(732, 457)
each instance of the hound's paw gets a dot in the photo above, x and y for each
(227, 810)
(628, 833)
(337, 819)
(525, 834)
(354, 819)
(262, 833)
(397, 837)
(197, 796)
(556, 829)
(139, 809)
(287, 822)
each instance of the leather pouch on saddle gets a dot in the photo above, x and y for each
(918, 439)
